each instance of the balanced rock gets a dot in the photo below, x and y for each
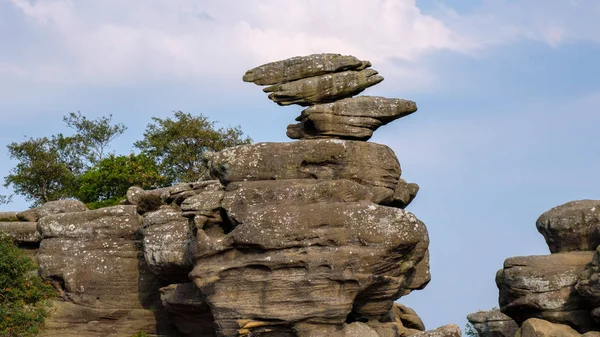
(572, 226)
(544, 287)
(299, 67)
(493, 323)
(349, 118)
(324, 88)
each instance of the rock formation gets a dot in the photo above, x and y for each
(299, 239)
(556, 294)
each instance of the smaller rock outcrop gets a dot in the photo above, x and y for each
(493, 323)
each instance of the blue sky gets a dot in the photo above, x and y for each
(508, 95)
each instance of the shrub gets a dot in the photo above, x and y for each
(23, 295)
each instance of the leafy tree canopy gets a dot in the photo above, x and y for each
(45, 170)
(107, 182)
(177, 144)
(93, 136)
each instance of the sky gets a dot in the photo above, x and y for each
(508, 95)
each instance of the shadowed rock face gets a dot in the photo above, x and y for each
(571, 227)
(544, 287)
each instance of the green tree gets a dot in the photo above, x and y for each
(94, 136)
(45, 170)
(107, 182)
(23, 295)
(177, 144)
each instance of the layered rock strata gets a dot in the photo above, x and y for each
(557, 294)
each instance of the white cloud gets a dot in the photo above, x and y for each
(136, 40)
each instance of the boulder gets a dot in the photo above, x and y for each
(116, 221)
(571, 227)
(535, 327)
(404, 194)
(544, 287)
(350, 118)
(493, 323)
(318, 263)
(299, 67)
(165, 244)
(52, 207)
(21, 232)
(188, 311)
(323, 88)
(368, 164)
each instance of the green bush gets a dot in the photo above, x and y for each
(23, 295)
(141, 334)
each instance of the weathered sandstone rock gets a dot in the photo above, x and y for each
(349, 118)
(493, 323)
(94, 258)
(323, 88)
(368, 164)
(165, 244)
(316, 263)
(572, 226)
(21, 232)
(535, 327)
(187, 310)
(117, 221)
(544, 287)
(52, 207)
(299, 67)
(172, 196)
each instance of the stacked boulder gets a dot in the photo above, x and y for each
(301, 239)
(557, 294)
(310, 238)
(326, 83)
